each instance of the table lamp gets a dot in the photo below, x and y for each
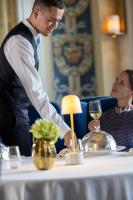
(71, 105)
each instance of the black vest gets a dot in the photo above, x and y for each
(14, 101)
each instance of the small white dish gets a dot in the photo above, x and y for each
(74, 158)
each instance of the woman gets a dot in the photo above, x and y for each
(119, 121)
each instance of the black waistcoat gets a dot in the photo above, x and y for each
(14, 101)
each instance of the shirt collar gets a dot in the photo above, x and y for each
(35, 34)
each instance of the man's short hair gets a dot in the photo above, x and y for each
(49, 3)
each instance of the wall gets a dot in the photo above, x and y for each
(7, 17)
(126, 42)
(106, 49)
(111, 55)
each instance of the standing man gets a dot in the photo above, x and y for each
(20, 83)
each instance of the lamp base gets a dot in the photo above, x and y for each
(74, 158)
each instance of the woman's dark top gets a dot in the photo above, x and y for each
(119, 125)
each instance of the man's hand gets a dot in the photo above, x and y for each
(67, 138)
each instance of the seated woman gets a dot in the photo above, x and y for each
(118, 121)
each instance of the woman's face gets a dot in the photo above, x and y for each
(121, 87)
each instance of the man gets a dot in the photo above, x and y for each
(20, 83)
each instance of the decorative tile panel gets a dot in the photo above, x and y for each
(73, 52)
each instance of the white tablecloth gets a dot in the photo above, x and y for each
(99, 178)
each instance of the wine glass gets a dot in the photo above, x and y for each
(95, 111)
(14, 157)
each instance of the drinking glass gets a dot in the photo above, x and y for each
(75, 157)
(95, 111)
(78, 145)
(3, 151)
(14, 158)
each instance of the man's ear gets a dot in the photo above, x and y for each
(36, 12)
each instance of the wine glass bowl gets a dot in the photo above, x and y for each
(95, 111)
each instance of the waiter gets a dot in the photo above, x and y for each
(20, 84)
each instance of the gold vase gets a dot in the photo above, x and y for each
(43, 153)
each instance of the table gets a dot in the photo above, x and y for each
(108, 177)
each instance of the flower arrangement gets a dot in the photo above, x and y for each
(45, 129)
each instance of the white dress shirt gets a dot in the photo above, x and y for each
(20, 55)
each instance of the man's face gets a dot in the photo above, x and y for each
(48, 20)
